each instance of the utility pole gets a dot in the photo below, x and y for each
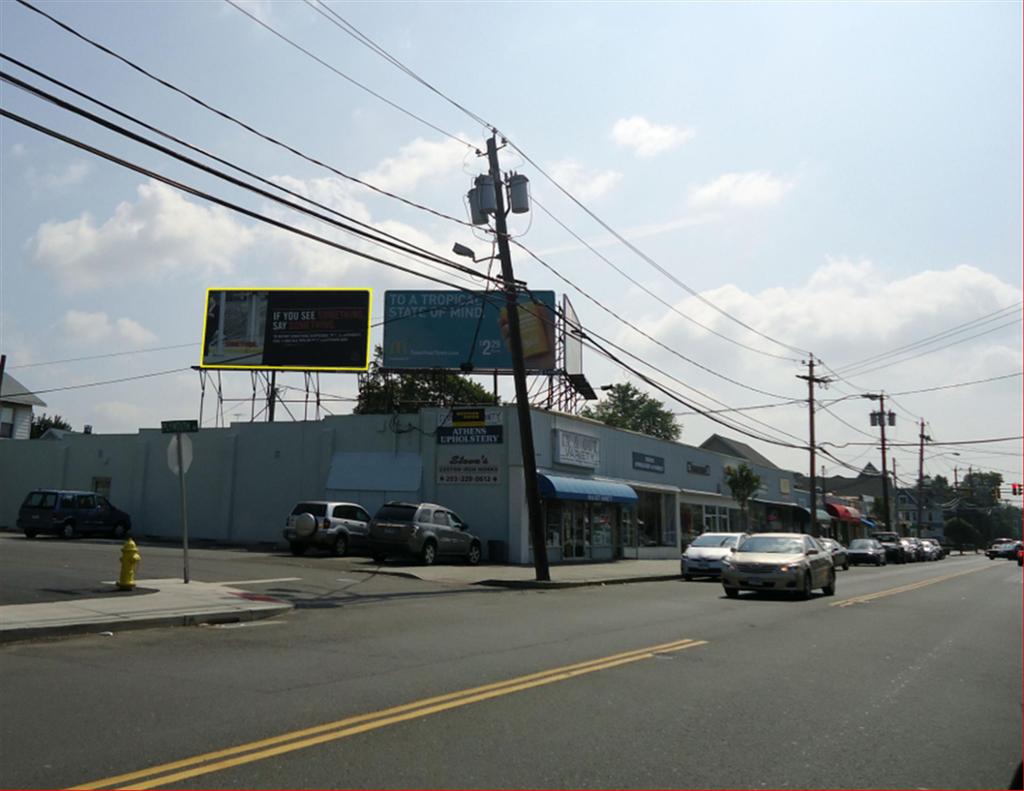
(920, 477)
(882, 418)
(540, 551)
(3, 364)
(272, 388)
(812, 380)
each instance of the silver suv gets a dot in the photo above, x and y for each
(422, 530)
(340, 528)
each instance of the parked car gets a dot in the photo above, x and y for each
(779, 562)
(866, 550)
(933, 548)
(423, 530)
(340, 528)
(703, 557)
(71, 513)
(911, 550)
(894, 550)
(1020, 554)
(840, 558)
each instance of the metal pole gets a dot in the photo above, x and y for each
(920, 479)
(885, 469)
(184, 507)
(540, 551)
(273, 396)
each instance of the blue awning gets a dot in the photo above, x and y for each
(869, 522)
(561, 487)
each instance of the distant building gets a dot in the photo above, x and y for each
(16, 404)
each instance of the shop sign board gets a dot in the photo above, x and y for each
(698, 469)
(579, 450)
(469, 435)
(466, 330)
(648, 463)
(474, 467)
(470, 417)
(289, 329)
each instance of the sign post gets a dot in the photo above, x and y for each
(179, 460)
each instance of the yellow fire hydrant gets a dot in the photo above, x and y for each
(130, 558)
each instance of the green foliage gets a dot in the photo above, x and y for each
(41, 423)
(743, 482)
(626, 407)
(979, 489)
(961, 533)
(408, 392)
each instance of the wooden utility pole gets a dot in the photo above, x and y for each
(811, 381)
(540, 550)
(920, 477)
(882, 418)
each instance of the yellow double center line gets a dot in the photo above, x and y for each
(904, 588)
(165, 774)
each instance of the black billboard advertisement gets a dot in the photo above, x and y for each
(291, 329)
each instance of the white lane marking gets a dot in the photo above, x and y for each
(345, 579)
(260, 582)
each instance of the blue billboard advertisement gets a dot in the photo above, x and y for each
(458, 329)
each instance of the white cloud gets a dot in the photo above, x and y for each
(740, 190)
(18, 150)
(647, 139)
(584, 185)
(57, 180)
(160, 235)
(84, 328)
(419, 160)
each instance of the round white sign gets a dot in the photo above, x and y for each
(186, 452)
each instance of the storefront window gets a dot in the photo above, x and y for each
(602, 516)
(650, 521)
(553, 523)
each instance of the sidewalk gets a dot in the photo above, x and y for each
(170, 602)
(156, 602)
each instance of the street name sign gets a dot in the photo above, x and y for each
(179, 426)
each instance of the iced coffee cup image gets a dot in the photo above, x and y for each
(536, 328)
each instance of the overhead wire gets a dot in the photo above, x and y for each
(227, 116)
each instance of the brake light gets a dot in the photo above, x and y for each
(326, 524)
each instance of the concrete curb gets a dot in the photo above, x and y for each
(553, 584)
(54, 631)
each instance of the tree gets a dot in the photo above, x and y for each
(626, 407)
(961, 533)
(743, 483)
(407, 392)
(41, 423)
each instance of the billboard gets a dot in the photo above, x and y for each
(290, 329)
(448, 329)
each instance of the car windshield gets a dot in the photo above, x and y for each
(886, 537)
(316, 509)
(861, 543)
(772, 544)
(714, 541)
(396, 513)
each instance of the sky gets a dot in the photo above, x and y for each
(835, 179)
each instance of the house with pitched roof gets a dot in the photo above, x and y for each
(16, 405)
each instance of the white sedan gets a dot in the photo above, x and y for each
(703, 557)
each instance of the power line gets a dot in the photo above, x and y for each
(100, 356)
(931, 444)
(227, 116)
(985, 319)
(958, 384)
(230, 179)
(380, 50)
(98, 384)
(648, 291)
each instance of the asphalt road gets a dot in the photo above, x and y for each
(909, 678)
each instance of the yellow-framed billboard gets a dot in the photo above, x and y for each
(287, 329)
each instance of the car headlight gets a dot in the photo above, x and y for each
(726, 560)
(791, 566)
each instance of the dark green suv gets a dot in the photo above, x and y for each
(71, 513)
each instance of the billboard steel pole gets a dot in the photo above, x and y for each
(540, 552)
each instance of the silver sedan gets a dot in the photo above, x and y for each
(786, 562)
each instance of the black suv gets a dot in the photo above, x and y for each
(894, 549)
(71, 513)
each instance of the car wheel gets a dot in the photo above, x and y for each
(688, 577)
(805, 589)
(120, 531)
(378, 557)
(474, 554)
(830, 588)
(732, 593)
(429, 553)
(340, 546)
(878, 561)
(30, 533)
(297, 548)
(69, 530)
(846, 566)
